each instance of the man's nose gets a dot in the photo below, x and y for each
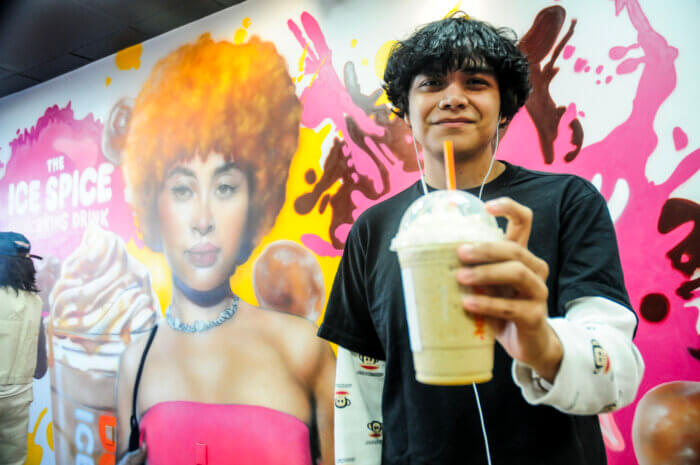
(453, 98)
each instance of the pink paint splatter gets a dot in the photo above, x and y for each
(319, 246)
(599, 69)
(608, 79)
(618, 52)
(629, 65)
(680, 138)
(568, 52)
(579, 65)
(587, 69)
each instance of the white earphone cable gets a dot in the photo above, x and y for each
(483, 425)
(493, 159)
(420, 169)
(483, 183)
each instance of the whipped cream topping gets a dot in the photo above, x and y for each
(102, 289)
(446, 217)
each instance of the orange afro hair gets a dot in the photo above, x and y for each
(236, 100)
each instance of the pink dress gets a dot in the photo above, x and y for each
(193, 433)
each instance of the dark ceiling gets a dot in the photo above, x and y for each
(42, 39)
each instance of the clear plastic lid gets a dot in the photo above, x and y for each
(446, 216)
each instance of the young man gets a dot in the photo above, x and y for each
(564, 332)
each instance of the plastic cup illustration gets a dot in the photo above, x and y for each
(101, 300)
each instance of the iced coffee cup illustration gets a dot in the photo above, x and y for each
(449, 346)
(101, 300)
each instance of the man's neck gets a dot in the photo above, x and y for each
(469, 173)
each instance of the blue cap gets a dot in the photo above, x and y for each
(16, 245)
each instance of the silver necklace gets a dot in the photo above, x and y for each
(200, 326)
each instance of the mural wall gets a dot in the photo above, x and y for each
(143, 184)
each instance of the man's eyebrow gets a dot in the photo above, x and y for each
(477, 70)
(180, 170)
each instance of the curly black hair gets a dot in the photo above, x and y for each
(459, 42)
(18, 273)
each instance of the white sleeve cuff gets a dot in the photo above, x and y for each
(601, 368)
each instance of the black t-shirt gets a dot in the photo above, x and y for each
(423, 424)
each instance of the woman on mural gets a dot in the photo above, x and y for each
(206, 160)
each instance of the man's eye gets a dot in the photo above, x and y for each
(476, 82)
(430, 83)
(181, 192)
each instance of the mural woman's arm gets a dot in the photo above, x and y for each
(323, 393)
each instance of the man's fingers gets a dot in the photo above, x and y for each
(520, 311)
(493, 252)
(519, 218)
(511, 273)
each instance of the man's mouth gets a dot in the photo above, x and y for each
(453, 122)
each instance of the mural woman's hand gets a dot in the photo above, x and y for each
(517, 302)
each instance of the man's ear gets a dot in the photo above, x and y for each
(406, 120)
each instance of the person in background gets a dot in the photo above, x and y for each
(22, 344)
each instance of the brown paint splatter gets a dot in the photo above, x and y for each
(546, 115)
(389, 149)
(310, 176)
(654, 307)
(695, 353)
(675, 212)
(685, 257)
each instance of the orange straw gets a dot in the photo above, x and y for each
(450, 165)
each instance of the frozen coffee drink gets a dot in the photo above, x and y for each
(102, 299)
(450, 346)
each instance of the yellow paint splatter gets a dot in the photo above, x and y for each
(381, 58)
(161, 277)
(313, 78)
(353, 43)
(240, 36)
(108, 81)
(49, 434)
(246, 22)
(129, 58)
(364, 62)
(34, 451)
(290, 225)
(299, 78)
(340, 133)
(455, 9)
(302, 58)
(382, 100)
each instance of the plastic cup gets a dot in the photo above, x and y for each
(449, 345)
